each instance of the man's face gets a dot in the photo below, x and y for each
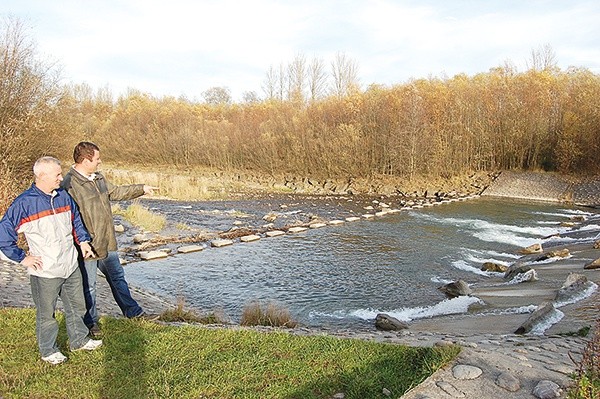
(91, 166)
(50, 178)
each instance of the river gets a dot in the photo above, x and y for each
(342, 276)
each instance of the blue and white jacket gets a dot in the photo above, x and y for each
(51, 224)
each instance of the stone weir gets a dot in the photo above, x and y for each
(541, 186)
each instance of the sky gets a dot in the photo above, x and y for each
(184, 47)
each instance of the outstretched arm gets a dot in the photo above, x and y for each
(149, 189)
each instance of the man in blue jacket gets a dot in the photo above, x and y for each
(49, 219)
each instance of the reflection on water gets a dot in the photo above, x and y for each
(340, 276)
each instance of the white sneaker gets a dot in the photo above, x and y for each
(91, 345)
(55, 358)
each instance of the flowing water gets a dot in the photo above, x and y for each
(342, 276)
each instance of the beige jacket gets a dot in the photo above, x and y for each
(93, 199)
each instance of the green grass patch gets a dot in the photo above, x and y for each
(141, 359)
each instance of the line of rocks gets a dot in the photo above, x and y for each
(147, 246)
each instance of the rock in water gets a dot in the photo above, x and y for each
(388, 323)
(574, 284)
(494, 267)
(595, 264)
(456, 289)
(542, 312)
(515, 269)
(532, 249)
(562, 253)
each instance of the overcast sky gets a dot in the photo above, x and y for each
(184, 47)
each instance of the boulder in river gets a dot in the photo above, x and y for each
(542, 313)
(190, 248)
(557, 253)
(532, 249)
(388, 323)
(494, 267)
(149, 255)
(574, 284)
(595, 264)
(456, 289)
(516, 268)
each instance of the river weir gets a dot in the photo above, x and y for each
(341, 275)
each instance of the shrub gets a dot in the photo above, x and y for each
(587, 380)
(29, 126)
(271, 314)
(179, 314)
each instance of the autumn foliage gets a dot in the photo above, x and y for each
(543, 118)
(538, 119)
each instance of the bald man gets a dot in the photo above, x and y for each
(52, 226)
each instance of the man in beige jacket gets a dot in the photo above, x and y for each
(93, 193)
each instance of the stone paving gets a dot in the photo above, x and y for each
(545, 187)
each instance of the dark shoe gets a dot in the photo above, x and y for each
(95, 331)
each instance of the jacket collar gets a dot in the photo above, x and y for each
(80, 176)
(36, 190)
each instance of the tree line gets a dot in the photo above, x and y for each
(543, 118)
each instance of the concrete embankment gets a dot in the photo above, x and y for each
(550, 187)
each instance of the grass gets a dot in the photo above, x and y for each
(140, 216)
(194, 184)
(180, 314)
(269, 314)
(141, 359)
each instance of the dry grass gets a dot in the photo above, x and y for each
(139, 215)
(180, 314)
(188, 185)
(271, 314)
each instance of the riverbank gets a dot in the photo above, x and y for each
(503, 364)
(489, 344)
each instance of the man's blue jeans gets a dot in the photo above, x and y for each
(115, 276)
(45, 293)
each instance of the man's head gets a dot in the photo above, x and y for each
(48, 174)
(87, 157)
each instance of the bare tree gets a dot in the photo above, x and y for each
(282, 82)
(270, 84)
(250, 97)
(217, 96)
(345, 75)
(275, 84)
(542, 59)
(317, 79)
(28, 92)
(297, 79)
